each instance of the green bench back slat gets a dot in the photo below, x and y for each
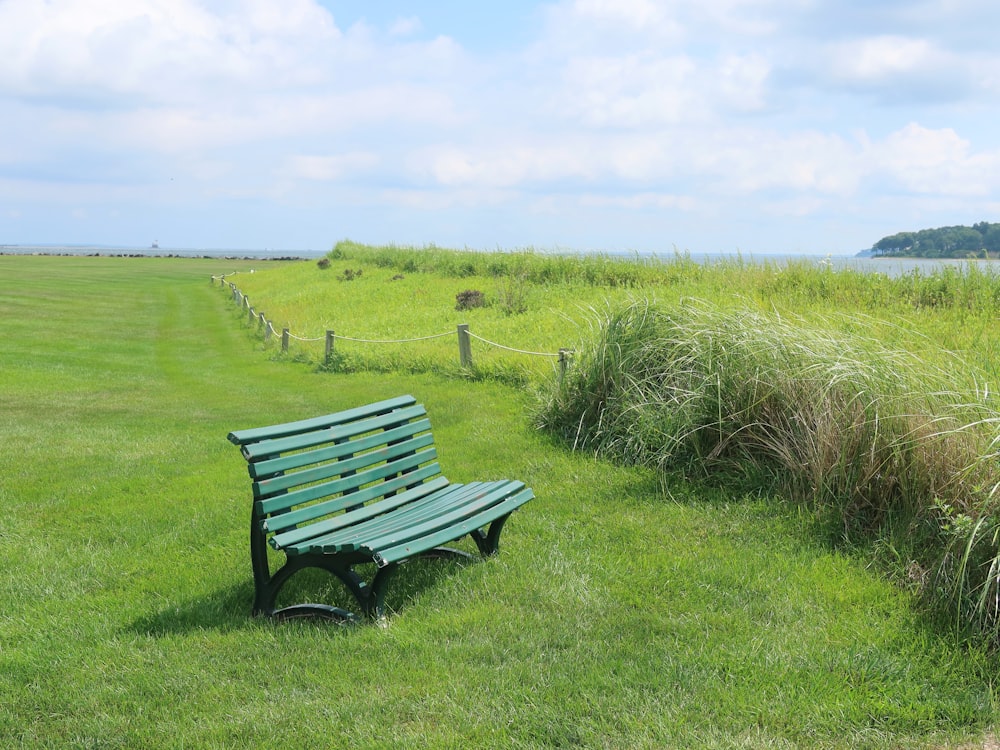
(335, 434)
(242, 437)
(405, 464)
(261, 469)
(310, 468)
(308, 513)
(347, 466)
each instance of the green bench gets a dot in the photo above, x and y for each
(360, 486)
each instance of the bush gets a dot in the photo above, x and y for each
(512, 292)
(469, 299)
(878, 444)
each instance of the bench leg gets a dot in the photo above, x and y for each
(489, 543)
(375, 608)
(370, 598)
(266, 593)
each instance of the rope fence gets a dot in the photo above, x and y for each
(463, 333)
(511, 349)
(398, 341)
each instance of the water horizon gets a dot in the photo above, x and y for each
(858, 262)
(156, 251)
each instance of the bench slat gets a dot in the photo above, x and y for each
(455, 496)
(336, 433)
(320, 528)
(287, 500)
(262, 469)
(269, 487)
(481, 503)
(399, 527)
(283, 521)
(415, 546)
(241, 437)
(347, 534)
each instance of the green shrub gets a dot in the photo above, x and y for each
(875, 442)
(469, 299)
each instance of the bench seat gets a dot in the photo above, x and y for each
(360, 486)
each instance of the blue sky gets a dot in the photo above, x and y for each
(759, 126)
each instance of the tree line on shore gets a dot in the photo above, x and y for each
(981, 240)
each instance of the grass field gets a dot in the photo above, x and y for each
(627, 608)
(403, 293)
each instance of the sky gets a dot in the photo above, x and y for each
(702, 126)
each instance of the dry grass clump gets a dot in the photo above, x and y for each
(878, 442)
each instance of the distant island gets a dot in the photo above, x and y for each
(981, 240)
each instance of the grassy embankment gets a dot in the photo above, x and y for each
(863, 398)
(627, 608)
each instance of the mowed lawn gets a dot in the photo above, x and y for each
(624, 610)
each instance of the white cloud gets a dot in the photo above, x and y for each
(898, 68)
(405, 26)
(940, 162)
(634, 14)
(742, 81)
(633, 91)
(640, 201)
(878, 58)
(328, 168)
(158, 50)
(505, 165)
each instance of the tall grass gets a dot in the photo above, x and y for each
(879, 444)
(970, 287)
(599, 270)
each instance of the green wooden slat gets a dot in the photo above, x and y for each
(430, 507)
(453, 532)
(270, 505)
(283, 521)
(351, 536)
(268, 487)
(319, 528)
(404, 526)
(346, 431)
(264, 469)
(491, 496)
(241, 437)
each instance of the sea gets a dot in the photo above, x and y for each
(159, 252)
(892, 267)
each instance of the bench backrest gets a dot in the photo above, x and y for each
(305, 471)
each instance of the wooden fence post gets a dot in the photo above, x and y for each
(563, 362)
(329, 345)
(284, 339)
(268, 329)
(464, 345)
(250, 316)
